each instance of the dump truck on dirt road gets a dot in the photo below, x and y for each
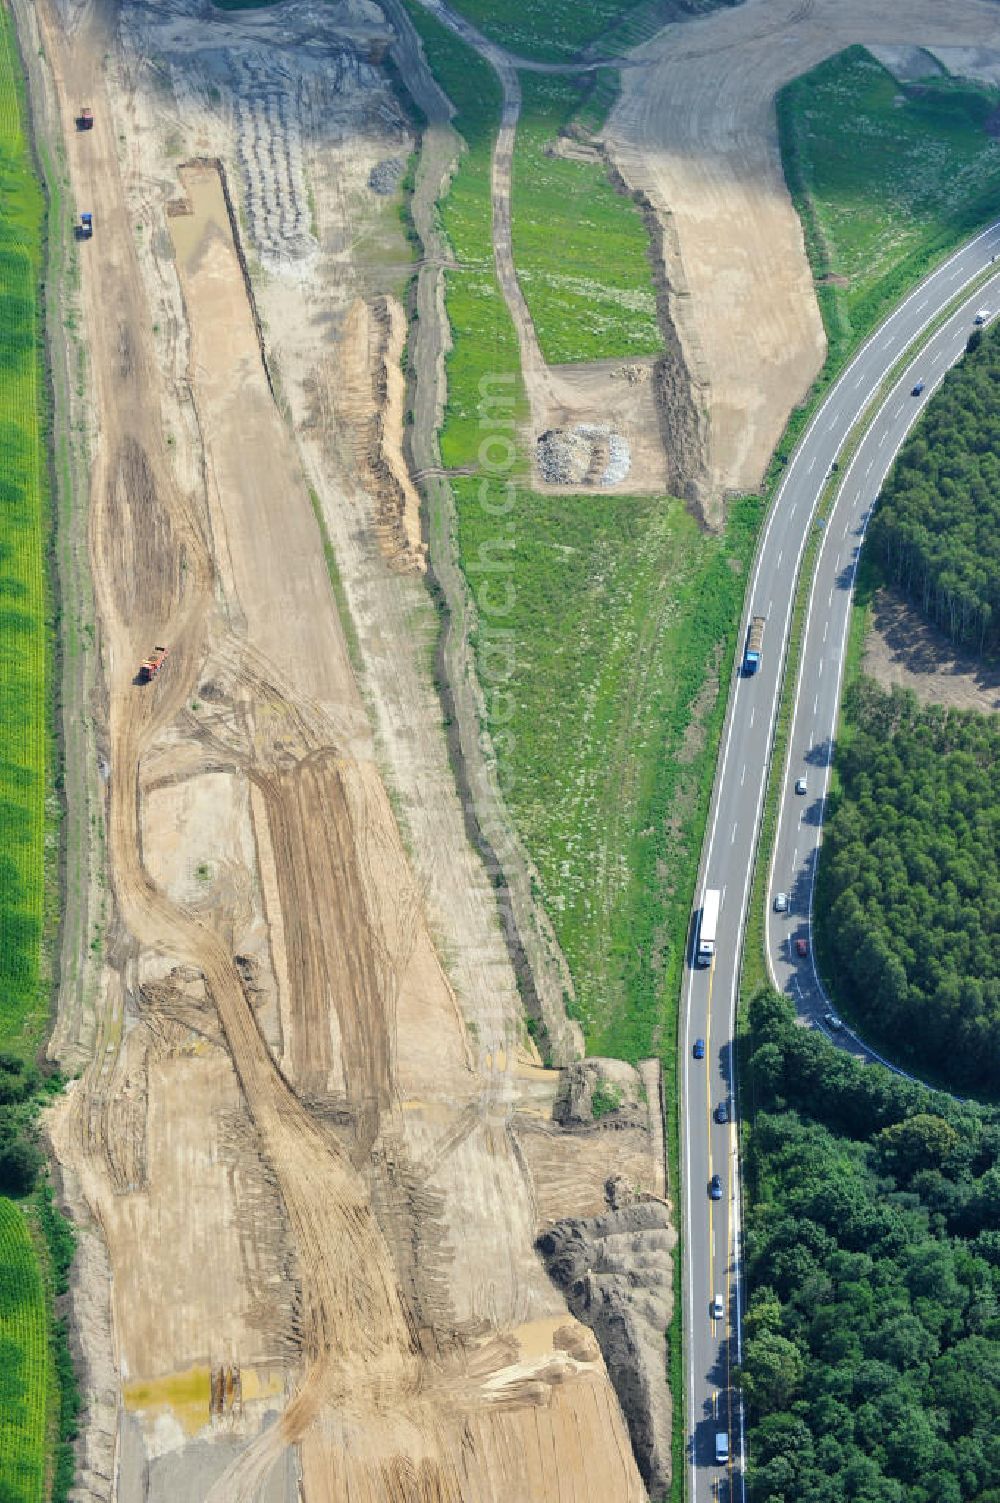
(85, 119)
(755, 643)
(152, 665)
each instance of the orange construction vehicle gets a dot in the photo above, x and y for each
(152, 665)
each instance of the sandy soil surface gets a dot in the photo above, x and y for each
(901, 648)
(695, 131)
(307, 1219)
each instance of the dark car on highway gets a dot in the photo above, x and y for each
(722, 1112)
(699, 1048)
(715, 1187)
(917, 389)
(802, 947)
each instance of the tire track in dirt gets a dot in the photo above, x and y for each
(382, 1413)
(153, 577)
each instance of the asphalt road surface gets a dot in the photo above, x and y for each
(712, 1227)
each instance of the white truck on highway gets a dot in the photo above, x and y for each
(707, 926)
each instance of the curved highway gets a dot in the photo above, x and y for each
(708, 1147)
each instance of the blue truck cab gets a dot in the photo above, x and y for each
(754, 645)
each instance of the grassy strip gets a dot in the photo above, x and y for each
(337, 585)
(24, 1362)
(552, 32)
(474, 89)
(754, 973)
(887, 179)
(24, 606)
(618, 616)
(31, 779)
(594, 300)
(601, 91)
(641, 22)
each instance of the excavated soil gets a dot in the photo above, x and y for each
(694, 131)
(297, 1151)
(902, 648)
(369, 402)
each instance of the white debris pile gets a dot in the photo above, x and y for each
(590, 454)
(619, 460)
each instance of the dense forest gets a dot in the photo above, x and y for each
(872, 1355)
(937, 529)
(907, 910)
(20, 1157)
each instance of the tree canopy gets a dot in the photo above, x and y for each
(908, 895)
(872, 1337)
(937, 528)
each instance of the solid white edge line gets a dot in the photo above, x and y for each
(707, 851)
(865, 519)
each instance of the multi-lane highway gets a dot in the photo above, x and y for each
(712, 1227)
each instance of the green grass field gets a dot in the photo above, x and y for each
(606, 670)
(617, 651)
(596, 299)
(38, 1394)
(474, 90)
(887, 178)
(23, 631)
(592, 299)
(24, 1363)
(552, 32)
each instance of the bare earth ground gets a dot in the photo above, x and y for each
(309, 1163)
(695, 131)
(901, 648)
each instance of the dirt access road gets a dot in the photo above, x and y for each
(295, 1153)
(695, 131)
(592, 395)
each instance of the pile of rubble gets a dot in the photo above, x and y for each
(386, 175)
(615, 1273)
(635, 375)
(589, 454)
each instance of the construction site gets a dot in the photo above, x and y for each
(342, 1233)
